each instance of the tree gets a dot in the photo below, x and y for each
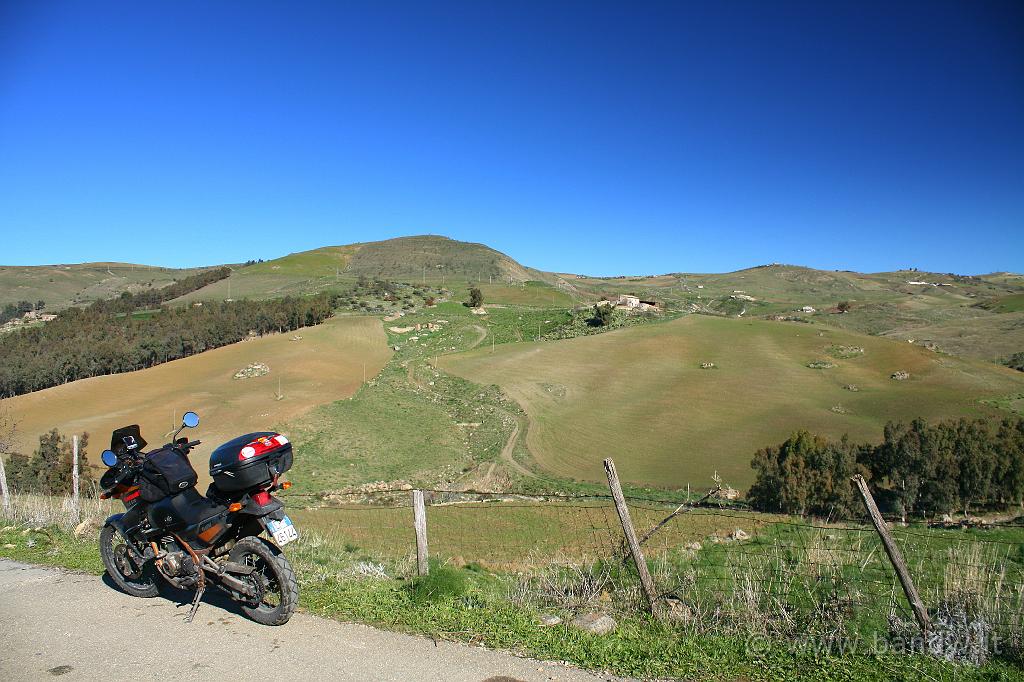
(48, 472)
(843, 306)
(476, 297)
(1015, 361)
(602, 315)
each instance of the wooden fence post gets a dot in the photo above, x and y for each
(419, 519)
(4, 492)
(895, 556)
(74, 477)
(630, 533)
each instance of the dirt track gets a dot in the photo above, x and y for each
(75, 626)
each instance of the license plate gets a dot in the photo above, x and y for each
(283, 531)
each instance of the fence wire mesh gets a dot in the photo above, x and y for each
(713, 567)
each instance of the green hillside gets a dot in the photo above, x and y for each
(641, 396)
(431, 260)
(64, 285)
(942, 310)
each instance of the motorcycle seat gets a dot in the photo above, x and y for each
(193, 508)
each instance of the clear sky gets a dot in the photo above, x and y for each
(582, 136)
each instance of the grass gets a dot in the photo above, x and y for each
(1013, 403)
(513, 535)
(480, 605)
(326, 363)
(639, 395)
(412, 422)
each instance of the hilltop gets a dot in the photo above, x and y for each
(424, 260)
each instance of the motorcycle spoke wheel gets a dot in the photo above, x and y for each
(277, 591)
(134, 578)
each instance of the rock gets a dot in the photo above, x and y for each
(901, 375)
(740, 534)
(707, 365)
(693, 546)
(87, 528)
(256, 369)
(595, 623)
(678, 611)
(549, 620)
(9, 546)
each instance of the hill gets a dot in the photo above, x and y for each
(327, 363)
(640, 395)
(905, 304)
(64, 285)
(425, 260)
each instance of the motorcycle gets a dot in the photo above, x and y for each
(171, 532)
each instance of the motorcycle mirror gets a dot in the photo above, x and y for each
(190, 419)
(109, 458)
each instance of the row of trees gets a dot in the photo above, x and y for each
(151, 298)
(94, 341)
(918, 469)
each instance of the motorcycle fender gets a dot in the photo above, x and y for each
(117, 522)
(276, 515)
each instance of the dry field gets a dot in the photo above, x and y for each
(326, 364)
(639, 395)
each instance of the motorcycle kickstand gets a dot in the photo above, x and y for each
(195, 603)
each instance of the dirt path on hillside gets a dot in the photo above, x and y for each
(509, 449)
(483, 335)
(54, 622)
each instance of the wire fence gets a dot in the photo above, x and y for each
(713, 567)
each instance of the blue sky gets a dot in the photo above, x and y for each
(580, 136)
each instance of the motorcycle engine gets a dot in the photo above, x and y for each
(176, 563)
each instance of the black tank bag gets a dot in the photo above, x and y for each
(166, 472)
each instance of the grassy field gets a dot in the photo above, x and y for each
(64, 285)
(639, 395)
(327, 363)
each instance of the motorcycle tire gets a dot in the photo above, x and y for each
(273, 578)
(122, 568)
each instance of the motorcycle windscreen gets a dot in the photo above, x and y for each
(117, 443)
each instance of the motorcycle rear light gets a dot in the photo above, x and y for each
(260, 446)
(262, 498)
(131, 496)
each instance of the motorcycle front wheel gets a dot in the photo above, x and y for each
(272, 579)
(137, 580)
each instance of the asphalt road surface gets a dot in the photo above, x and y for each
(73, 626)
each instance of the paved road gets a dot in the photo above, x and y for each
(55, 623)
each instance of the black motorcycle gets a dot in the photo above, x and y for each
(170, 531)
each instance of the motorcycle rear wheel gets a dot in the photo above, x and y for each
(122, 568)
(273, 580)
